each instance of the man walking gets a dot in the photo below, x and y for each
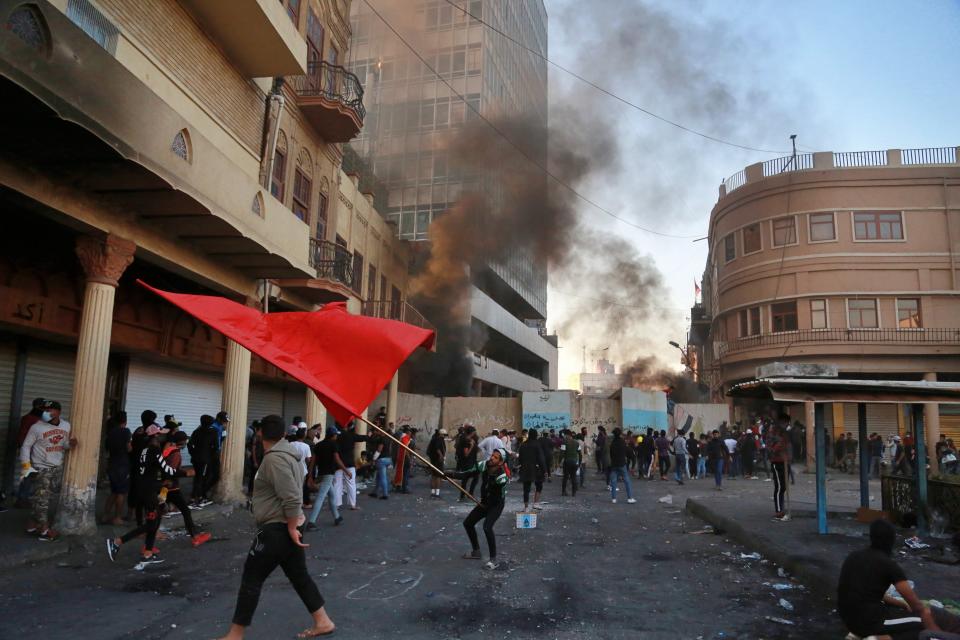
(570, 450)
(203, 449)
(717, 456)
(324, 463)
(41, 455)
(277, 509)
(680, 452)
(618, 466)
(467, 457)
(346, 481)
(533, 466)
(436, 454)
(382, 460)
(779, 457)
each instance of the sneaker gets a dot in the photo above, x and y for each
(537, 506)
(631, 501)
(194, 506)
(613, 500)
(337, 522)
(112, 549)
(490, 565)
(171, 514)
(200, 538)
(311, 526)
(206, 503)
(48, 536)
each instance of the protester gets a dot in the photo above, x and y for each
(401, 470)
(647, 451)
(172, 455)
(277, 510)
(663, 454)
(748, 454)
(948, 458)
(777, 445)
(570, 452)
(730, 442)
(256, 455)
(25, 490)
(152, 472)
(202, 446)
(717, 454)
(490, 444)
(221, 424)
(493, 491)
(42, 455)
(324, 463)
(382, 460)
(436, 454)
(547, 446)
(680, 453)
(618, 466)
(344, 482)
(693, 455)
(862, 600)
(533, 467)
(467, 457)
(702, 460)
(118, 447)
(305, 455)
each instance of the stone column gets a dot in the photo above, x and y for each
(316, 412)
(808, 418)
(104, 260)
(931, 424)
(392, 405)
(236, 394)
(363, 429)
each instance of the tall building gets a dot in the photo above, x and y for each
(847, 259)
(196, 145)
(411, 117)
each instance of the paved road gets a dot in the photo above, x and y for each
(592, 569)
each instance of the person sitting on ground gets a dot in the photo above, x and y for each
(863, 603)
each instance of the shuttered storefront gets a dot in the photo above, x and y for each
(49, 375)
(165, 389)
(294, 402)
(265, 399)
(8, 365)
(950, 422)
(881, 418)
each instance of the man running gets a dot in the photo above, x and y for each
(277, 509)
(173, 456)
(493, 490)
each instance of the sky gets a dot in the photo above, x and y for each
(843, 76)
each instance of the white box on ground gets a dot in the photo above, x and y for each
(526, 520)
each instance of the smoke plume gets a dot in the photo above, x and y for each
(648, 373)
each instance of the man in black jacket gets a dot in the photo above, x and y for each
(533, 466)
(618, 466)
(436, 453)
(347, 480)
(203, 450)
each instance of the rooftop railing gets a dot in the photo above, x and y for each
(933, 156)
(948, 336)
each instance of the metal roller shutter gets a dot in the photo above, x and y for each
(163, 389)
(8, 365)
(950, 422)
(294, 402)
(265, 399)
(49, 374)
(881, 418)
(828, 417)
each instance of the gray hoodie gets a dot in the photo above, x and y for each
(45, 444)
(278, 486)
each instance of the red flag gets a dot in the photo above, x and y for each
(696, 287)
(345, 359)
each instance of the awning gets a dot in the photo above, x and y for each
(839, 390)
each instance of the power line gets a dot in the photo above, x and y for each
(519, 149)
(610, 93)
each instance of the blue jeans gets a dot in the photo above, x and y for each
(718, 472)
(701, 466)
(621, 474)
(383, 485)
(324, 491)
(680, 466)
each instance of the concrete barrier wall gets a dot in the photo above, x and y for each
(706, 417)
(593, 412)
(485, 414)
(547, 409)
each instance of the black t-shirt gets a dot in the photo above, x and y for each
(864, 579)
(323, 454)
(618, 453)
(117, 441)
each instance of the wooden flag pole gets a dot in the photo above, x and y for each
(420, 458)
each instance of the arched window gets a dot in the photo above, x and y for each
(27, 23)
(181, 145)
(278, 177)
(257, 205)
(302, 181)
(322, 220)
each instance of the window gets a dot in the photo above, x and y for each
(822, 227)
(751, 238)
(862, 314)
(755, 321)
(877, 226)
(744, 323)
(357, 272)
(383, 287)
(783, 316)
(87, 17)
(818, 314)
(784, 231)
(729, 247)
(301, 196)
(293, 10)
(371, 283)
(279, 173)
(322, 218)
(908, 313)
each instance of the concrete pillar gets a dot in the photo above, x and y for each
(808, 421)
(392, 405)
(363, 429)
(316, 412)
(103, 260)
(236, 394)
(931, 423)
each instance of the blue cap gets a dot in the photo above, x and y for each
(332, 430)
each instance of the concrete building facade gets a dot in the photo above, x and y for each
(196, 145)
(412, 117)
(848, 259)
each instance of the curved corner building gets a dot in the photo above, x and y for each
(848, 259)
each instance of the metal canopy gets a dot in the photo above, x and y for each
(855, 391)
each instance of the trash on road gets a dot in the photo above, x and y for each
(750, 556)
(916, 543)
(780, 620)
(667, 499)
(786, 604)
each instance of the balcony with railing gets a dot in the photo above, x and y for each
(819, 337)
(396, 310)
(890, 158)
(331, 98)
(332, 262)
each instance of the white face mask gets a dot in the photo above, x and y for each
(46, 416)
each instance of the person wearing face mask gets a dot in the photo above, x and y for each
(42, 454)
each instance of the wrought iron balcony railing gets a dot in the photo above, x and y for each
(332, 98)
(945, 336)
(331, 261)
(396, 310)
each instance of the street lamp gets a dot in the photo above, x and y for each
(683, 352)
